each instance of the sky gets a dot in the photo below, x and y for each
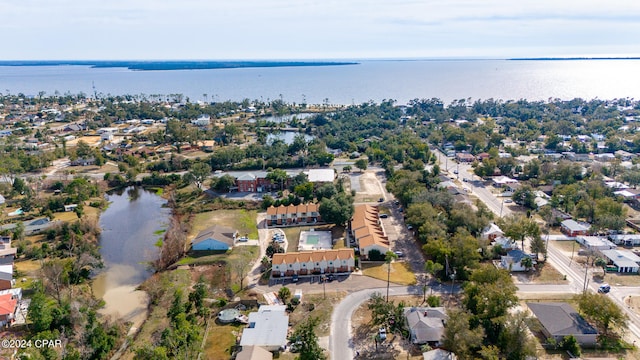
(316, 29)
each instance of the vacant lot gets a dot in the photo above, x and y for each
(242, 220)
(400, 273)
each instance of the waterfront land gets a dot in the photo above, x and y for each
(441, 175)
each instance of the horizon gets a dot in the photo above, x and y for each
(313, 29)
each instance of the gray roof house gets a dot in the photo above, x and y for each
(267, 328)
(624, 260)
(214, 238)
(560, 319)
(254, 353)
(426, 324)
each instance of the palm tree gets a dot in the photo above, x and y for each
(284, 294)
(527, 262)
(389, 256)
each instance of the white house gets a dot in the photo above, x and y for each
(595, 243)
(202, 120)
(267, 328)
(513, 260)
(625, 239)
(492, 232)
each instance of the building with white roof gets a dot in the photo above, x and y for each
(624, 260)
(595, 243)
(321, 175)
(267, 328)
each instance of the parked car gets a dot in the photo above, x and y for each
(243, 239)
(508, 201)
(382, 333)
(409, 227)
(295, 278)
(383, 216)
(330, 277)
(381, 200)
(399, 254)
(604, 288)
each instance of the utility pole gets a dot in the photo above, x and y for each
(453, 277)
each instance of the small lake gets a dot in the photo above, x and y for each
(131, 226)
(287, 137)
(287, 118)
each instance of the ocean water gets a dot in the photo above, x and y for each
(347, 84)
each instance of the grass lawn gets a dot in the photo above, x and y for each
(616, 279)
(248, 253)
(322, 309)
(293, 236)
(220, 340)
(565, 246)
(548, 275)
(242, 220)
(400, 272)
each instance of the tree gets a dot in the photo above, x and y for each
(337, 210)
(389, 256)
(277, 176)
(524, 196)
(520, 227)
(304, 191)
(458, 337)
(527, 262)
(284, 294)
(199, 172)
(361, 164)
(432, 268)
(602, 311)
(326, 191)
(305, 336)
(570, 343)
(347, 168)
(515, 342)
(538, 246)
(40, 313)
(600, 262)
(223, 183)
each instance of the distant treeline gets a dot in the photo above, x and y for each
(172, 65)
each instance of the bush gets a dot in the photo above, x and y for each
(570, 344)
(433, 300)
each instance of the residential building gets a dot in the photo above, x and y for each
(513, 260)
(625, 261)
(313, 262)
(439, 354)
(6, 276)
(573, 228)
(321, 176)
(83, 162)
(625, 239)
(505, 243)
(492, 232)
(7, 253)
(426, 324)
(217, 237)
(302, 214)
(254, 353)
(8, 306)
(267, 328)
(365, 229)
(465, 157)
(561, 319)
(595, 243)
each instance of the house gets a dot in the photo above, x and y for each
(254, 353)
(302, 214)
(560, 319)
(505, 243)
(202, 120)
(8, 306)
(7, 253)
(625, 261)
(595, 243)
(313, 262)
(439, 354)
(483, 156)
(106, 136)
(365, 229)
(513, 260)
(6, 276)
(426, 324)
(83, 162)
(217, 237)
(503, 180)
(465, 157)
(207, 145)
(492, 232)
(573, 228)
(625, 239)
(267, 328)
(2, 199)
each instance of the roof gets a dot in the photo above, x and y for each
(366, 228)
(622, 258)
(267, 327)
(573, 225)
(307, 256)
(517, 255)
(492, 229)
(6, 272)
(7, 304)
(439, 354)
(425, 324)
(216, 232)
(254, 353)
(504, 180)
(561, 319)
(321, 175)
(246, 177)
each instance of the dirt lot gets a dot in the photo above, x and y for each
(369, 187)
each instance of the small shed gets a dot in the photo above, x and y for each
(217, 237)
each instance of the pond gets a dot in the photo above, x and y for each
(286, 136)
(131, 226)
(287, 118)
